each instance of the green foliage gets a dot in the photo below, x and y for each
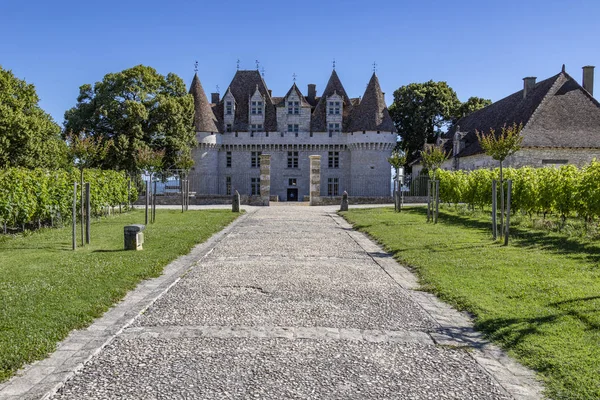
(503, 145)
(420, 112)
(397, 160)
(39, 195)
(433, 157)
(470, 106)
(135, 109)
(562, 191)
(28, 136)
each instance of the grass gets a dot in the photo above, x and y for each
(47, 290)
(539, 298)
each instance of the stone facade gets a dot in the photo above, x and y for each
(355, 161)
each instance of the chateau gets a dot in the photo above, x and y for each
(353, 137)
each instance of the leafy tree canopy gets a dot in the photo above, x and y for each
(29, 137)
(421, 111)
(473, 104)
(136, 109)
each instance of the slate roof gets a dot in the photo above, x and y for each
(557, 113)
(294, 88)
(372, 114)
(204, 118)
(319, 118)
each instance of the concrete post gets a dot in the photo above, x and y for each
(265, 178)
(315, 180)
(344, 205)
(235, 204)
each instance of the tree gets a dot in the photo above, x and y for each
(397, 160)
(433, 157)
(136, 108)
(499, 147)
(470, 106)
(28, 136)
(421, 111)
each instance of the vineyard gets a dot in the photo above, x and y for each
(46, 196)
(566, 191)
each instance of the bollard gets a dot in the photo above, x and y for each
(235, 204)
(134, 237)
(344, 205)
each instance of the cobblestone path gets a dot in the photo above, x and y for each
(293, 304)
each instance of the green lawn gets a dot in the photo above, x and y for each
(46, 289)
(539, 298)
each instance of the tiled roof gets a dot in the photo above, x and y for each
(319, 117)
(372, 114)
(242, 87)
(204, 118)
(557, 113)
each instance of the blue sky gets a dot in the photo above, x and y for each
(481, 48)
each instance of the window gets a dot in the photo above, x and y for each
(255, 159)
(292, 182)
(255, 128)
(293, 107)
(255, 186)
(293, 128)
(257, 108)
(228, 160)
(334, 127)
(292, 159)
(334, 159)
(333, 187)
(228, 185)
(228, 127)
(228, 107)
(335, 107)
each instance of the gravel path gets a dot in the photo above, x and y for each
(293, 304)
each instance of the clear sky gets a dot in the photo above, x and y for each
(481, 48)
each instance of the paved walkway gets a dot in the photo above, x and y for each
(287, 303)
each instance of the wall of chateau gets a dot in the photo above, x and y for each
(362, 168)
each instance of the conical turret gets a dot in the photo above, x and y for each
(372, 113)
(204, 118)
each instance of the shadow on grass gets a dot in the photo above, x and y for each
(108, 251)
(527, 238)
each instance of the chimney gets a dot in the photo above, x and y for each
(270, 93)
(312, 92)
(588, 79)
(214, 98)
(528, 85)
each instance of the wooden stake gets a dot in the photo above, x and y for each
(494, 207)
(508, 212)
(74, 215)
(87, 213)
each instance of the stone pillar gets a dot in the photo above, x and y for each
(315, 180)
(235, 204)
(344, 205)
(265, 178)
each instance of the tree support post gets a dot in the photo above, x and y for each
(87, 213)
(154, 203)
(437, 200)
(82, 210)
(147, 200)
(508, 212)
(428, 199)
(494, 209)
(74, 231)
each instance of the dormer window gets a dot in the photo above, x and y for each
(257, 108)
(229, 107)
(255, 128)
(293, 107)
(335, 107)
